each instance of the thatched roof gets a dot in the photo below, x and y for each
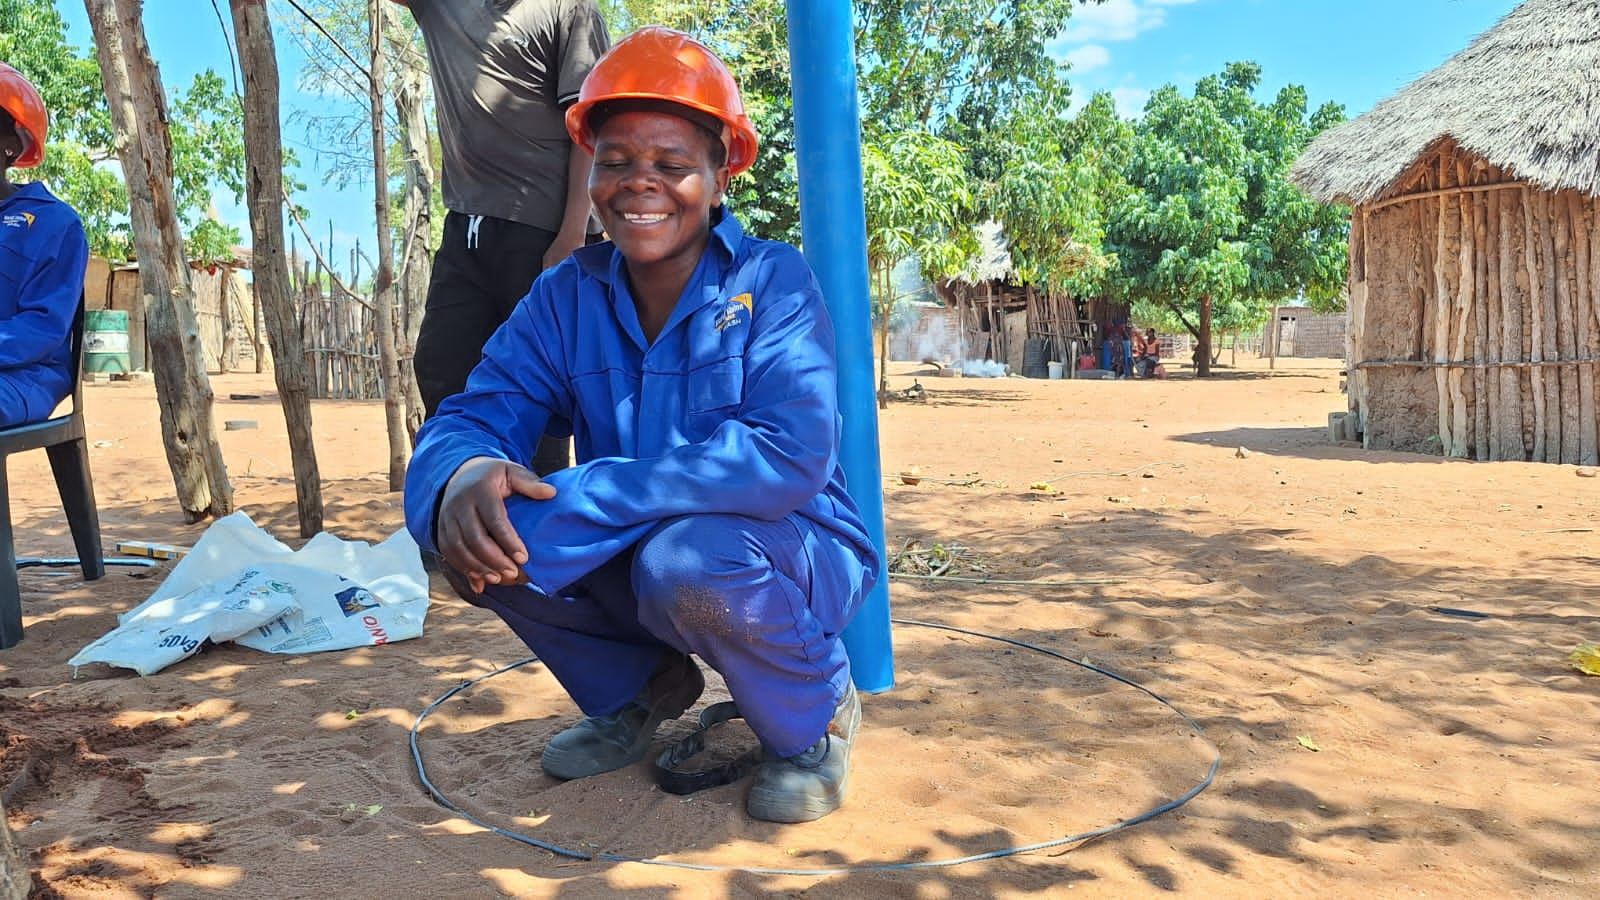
(1525, 96)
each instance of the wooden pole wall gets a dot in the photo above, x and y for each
(1501, 300)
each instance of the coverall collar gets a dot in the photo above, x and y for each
(604, 262)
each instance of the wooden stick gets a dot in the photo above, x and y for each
(1512, 442)
(1493, 286)
(1461, 315)
(1467, 365)
(1583, 301)
(1536, 318)
(1424, 195)
(1355, 337)
(1558, 301)
(1480, 310)
(1424, 263)
(1440, 340)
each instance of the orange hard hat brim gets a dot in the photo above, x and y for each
(739, 135)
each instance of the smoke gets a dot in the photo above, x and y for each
(932, 337)
(982, 368)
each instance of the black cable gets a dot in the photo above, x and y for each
(227, 40)
(331, 39)
(442, 800)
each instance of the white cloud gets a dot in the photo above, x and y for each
(1130, 100)
(1087, 57)
(1115, 20)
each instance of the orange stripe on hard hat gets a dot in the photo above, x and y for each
(657, 63)
(19, 98)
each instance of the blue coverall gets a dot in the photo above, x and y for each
(43, 257)
(708, 509)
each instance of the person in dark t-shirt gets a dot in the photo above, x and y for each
(515, 187)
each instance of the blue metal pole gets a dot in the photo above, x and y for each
(833, 227)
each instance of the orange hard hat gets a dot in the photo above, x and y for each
(19, 98)
(657, 63)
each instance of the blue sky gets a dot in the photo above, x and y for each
(1352, 52)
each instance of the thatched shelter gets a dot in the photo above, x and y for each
(1004, 320)
(1474, 266)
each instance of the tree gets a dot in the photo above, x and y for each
(1209, 226)
(1049, 197)
(383, 306)
(417, 200)
(929, 64)
(344, 136)
(264, 151)
(183, 391)
(919, 206)
(204, 123)
(922, 66)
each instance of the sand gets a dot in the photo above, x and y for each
(1294, 599)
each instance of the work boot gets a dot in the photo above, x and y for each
(602, 744)
(811, 784)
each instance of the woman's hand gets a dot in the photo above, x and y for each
(473, 532)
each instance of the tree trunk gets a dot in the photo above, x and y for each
(16, 879)
(884, 307)
(416, 261)
(263, 144)
(1272, 338)
(144, 146)
(383, 306)
(1202, 361)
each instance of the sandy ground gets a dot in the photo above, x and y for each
(1294, 599)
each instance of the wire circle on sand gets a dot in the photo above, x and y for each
(1170, 805)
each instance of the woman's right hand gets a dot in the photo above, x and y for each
(474, 533)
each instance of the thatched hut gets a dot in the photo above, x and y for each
(1002, 319)
(1474, 265)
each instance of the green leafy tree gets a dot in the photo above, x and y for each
(919, 205)
(1050, 196)
(206, 123)
(921, 66)
(1209, 227)
(925, 63)
(33, 40)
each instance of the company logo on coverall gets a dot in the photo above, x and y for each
(730, 315)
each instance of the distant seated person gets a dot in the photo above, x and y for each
(1147, 354)
(43, 256)
(707, 515)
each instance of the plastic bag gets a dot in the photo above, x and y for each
(241, 584)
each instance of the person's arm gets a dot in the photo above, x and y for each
(47, 300)
(583, 40)
(574, 229)
(510, 397)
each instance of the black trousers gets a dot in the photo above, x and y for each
(483, 267)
